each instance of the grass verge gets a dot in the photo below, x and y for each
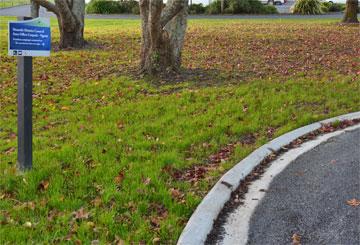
(12, 3)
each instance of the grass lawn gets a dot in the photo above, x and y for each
(118, 157)
(12, 3)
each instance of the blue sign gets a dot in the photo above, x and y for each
(30, 37)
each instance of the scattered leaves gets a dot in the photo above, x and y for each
(353, 202)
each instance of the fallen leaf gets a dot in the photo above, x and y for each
(175, 193)
(96, 202)
(353, 202)
(28, 224)
(44, 185)
(118, 241)
(120, 125)
(156, 240)
(9, 150)
(120, 177)
(296, 239)
(146, 181)
(81, 214)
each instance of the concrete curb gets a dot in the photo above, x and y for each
(201, 222)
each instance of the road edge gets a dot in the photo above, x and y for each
(201, 222)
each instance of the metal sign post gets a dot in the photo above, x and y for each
(24, 76)
(27, 38)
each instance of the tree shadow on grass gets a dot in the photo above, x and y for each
(89, 45)
(194, 78)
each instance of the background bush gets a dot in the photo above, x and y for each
(241, 7)
(215, 7)
(113, 7)
(197, 9)
(308, 7)
(334, 7)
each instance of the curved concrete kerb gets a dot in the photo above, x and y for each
(201, 222)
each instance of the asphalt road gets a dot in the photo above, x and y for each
(310, 197)
(285, 8)
(25, 11)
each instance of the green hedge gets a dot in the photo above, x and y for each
(241, 7)
(334, 7)
(197, 9)
(113, 7)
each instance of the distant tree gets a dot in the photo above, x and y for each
(70, 15)
(351, 11)
(163, 32)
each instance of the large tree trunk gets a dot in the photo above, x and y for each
(34, 9)
(71, 24)
(70, 15)
(351, 11)
(163, 33)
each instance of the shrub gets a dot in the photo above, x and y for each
(215, 7)
(112, 7)
(241, 7)
(197, 8)
(335, 7)
(135, 9)
(308, 7)
(270, 9)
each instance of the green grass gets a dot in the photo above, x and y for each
(103, 138)
(12, 3)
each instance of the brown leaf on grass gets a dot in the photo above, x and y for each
(120, 177)
(65, 108)
(9, 150)
(245, 108)
(120, 125)
(296, 238)
(353, 202)
(146, 181)
(43, 185)
(118, 241)
(30, 205)
(270, 132)
(175, 193)
(155, 222)
(96, 202)
(156, 240)
(44, 77)
(81, 214)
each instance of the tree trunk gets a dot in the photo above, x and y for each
(70, 15)
(351, 10)
(222, 6)
(73, 38)
(34, 9)
(163, 33)
(71, 25)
